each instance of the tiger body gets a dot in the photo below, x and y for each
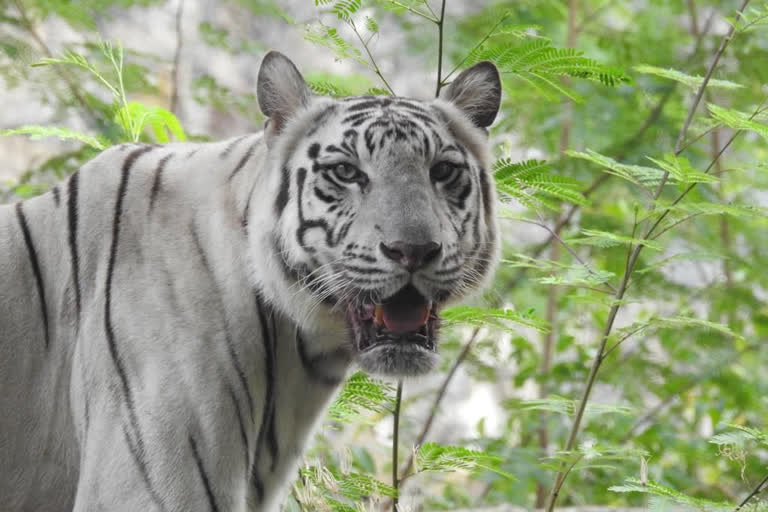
(173, 319)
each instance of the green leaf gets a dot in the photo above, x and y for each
(604, 240)
(680, 170)
(690, 81)
(135, 116)
(361, 392)
(531, 182)
(38, 132)
(654, 488)
(639, 175)
(567, 407)
(738, 120)
(323, 35)
(491, 317)
(444, 459)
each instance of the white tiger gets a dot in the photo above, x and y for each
(174, 319)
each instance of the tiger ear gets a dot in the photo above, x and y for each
(281, 89)
(477, 93)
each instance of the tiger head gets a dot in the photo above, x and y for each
(384, 210)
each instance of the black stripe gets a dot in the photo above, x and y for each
(230, 345)
(272, 431)
(269, 371)
(142, 467)
(282, 195)
(157, 181)
(203, 475)
(72, 191)
(35, 269)
(325, 197)
(231, 146)
(56, 198)
(243, 160)
(310, 364)
(241, 425)
(137, 449)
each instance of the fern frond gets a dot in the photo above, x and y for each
(690, 81)
(361, 392)
(497, 318)
(444, 459)
(654, 488)
(344, 9)
(540, 63)
(639, 175)
(528, 181)
(323, 35)
(605, 239)
(738, 120)
(39, 132)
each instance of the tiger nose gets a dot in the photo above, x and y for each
(411, 256)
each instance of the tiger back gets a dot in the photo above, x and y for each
(175, 319)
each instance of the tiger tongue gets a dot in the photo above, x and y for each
(407, 311)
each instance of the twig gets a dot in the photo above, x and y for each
(370, 57)
(631, 262)
(29, 26)
(395, 442)
(570, 249)
(478, 45)
(699, 94)
(440, 25)
(439, 397)
(757, 490)
(174, 102)
(411, 9)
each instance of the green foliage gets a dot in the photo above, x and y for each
(688, 351)
(539, 65)
(37, 132)
(361, 392)
(435, 457)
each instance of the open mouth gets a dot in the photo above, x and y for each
(398, 336)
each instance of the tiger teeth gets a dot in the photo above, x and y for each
(378, 315)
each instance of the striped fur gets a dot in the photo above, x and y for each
(171, 323)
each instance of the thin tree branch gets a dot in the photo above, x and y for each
(757, 490)
(370, 58)
(174, 101)
(439, 398)
(30, 27)
(414, 11)
(440, 26)
(631, 262)
(395, 443)
(700, 94)
(478, 45)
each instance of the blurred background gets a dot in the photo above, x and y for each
(620, 358)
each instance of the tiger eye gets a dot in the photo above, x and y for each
(345, 172)
(442, 171)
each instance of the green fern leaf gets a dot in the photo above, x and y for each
(491, 317)
(690, 81)
(738, 120)
(604, 240)
(38, 132)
